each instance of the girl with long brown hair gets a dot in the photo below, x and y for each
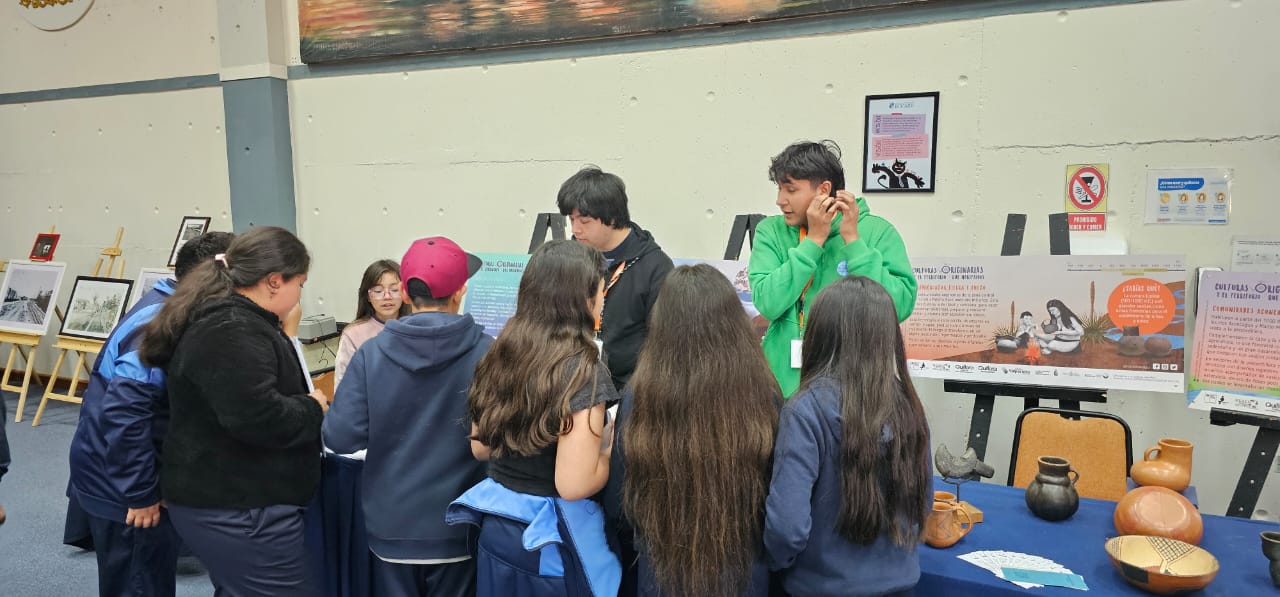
(242, 457)
(695, 438)
(537, 409)
(851, 479)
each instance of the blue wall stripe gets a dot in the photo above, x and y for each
(111, 89)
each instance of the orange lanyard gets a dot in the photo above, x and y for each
(800, 305)
(612, 280)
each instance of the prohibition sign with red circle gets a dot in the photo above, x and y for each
(1078, 180)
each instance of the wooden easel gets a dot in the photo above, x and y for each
(83, 347)
(19, 344)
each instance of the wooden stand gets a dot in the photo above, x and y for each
(17, 342)
(82, 348)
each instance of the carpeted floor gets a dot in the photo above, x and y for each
(33, 560)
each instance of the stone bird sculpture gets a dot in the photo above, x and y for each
(966, 466)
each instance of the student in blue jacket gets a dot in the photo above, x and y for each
(851, 484)
(695, 437)
(404, 400)
(537, 413)
(115, 453)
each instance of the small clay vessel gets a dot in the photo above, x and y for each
(1271, 549)
(1170, 466)
(1159, 347)
(1052, 494)
(946, 525)
(1131, 344)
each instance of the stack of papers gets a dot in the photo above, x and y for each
(997, 561)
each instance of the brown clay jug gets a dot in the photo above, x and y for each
(945, 526)
(1052, 494)
(1169, 467)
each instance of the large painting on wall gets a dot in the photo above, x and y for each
(333, 30)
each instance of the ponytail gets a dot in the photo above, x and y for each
(251, 257)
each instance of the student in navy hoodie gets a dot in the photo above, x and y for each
(404, 400)
(851, 484)
(115, 453)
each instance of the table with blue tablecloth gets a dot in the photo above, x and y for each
(1077, 543)
(335, 529)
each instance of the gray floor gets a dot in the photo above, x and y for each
(33, 560)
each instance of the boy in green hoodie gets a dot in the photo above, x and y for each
(824, 233)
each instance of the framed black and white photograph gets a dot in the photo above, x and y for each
(95, 307)
(900, 152)
(191, 227)
(30, 290)
(147, 279)
(42, 250)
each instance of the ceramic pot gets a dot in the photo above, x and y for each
(1160, 512)
(946, 525)
(944, 496)
(1170, 466)
(1271, 549)
(1159, 347)
(1052, 494)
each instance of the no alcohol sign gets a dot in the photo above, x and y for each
(1087, 196)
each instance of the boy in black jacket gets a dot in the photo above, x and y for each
(404, 400)
(596, 203)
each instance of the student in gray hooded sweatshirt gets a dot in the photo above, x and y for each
(404, 399)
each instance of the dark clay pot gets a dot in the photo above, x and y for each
(1052, 494)
(1271, 549)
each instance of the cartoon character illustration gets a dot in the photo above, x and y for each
(1222, 197)
(1164, 197)
(1200, 197)
(897, 176)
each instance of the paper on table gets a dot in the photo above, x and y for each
(996, 561)
(1045, 577)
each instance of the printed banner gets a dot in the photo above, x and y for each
(1090, 322)
(1237, 343)
(491, 293)
(899, 153)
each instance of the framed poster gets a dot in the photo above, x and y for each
(899, 154)
(29, 293)
(43, 249)
(95, 307)
(147, 278)
(191, 227)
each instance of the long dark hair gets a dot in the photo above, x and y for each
(519, 400)
(699, 440)
(372, 275)
(853, 340)
(1065, 315)
(252, 256)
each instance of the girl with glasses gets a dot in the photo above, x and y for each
(379, 301)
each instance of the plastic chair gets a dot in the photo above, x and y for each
(1098, 445)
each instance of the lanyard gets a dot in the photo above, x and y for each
(612, 280)
(800, 304)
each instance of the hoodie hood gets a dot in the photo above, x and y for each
(427, 340)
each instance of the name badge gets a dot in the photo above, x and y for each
(795, 353)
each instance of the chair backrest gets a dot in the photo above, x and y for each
(1098, 445)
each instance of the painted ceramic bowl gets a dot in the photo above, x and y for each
(1161, 565)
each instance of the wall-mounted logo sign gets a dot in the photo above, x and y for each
(53, 15)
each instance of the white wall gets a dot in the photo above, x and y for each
(473, 152)
(116, 41)
(88, 166)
